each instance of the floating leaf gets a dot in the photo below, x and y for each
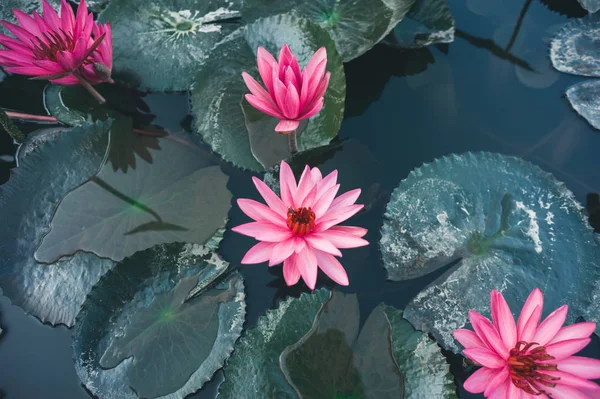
(509, 225)
(160, 324)
(9, 126)
(180, 194)
(73, 105)
(219, 89)
(590, 5)
(585, 99)
(254, 367)
(27, 6)
(37, 139)
(428, 22)
(575, 48)
(159, 44)
(53, 293)
(425, 369)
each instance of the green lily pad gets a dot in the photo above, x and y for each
(313, 347)
(160, 324)
(159, 44)
(53, 293)
(180, 195)
(219, 89)
(428, 22)
(27, 6)
(574, 49)
(585, 99)
(425, 369)
(73, 105)
(39, 138)
(507, 224)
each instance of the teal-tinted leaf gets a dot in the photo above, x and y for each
(94, 5)
(53, 293)
(428, 22)
(452, 210)
(333, 361)
(73, 105)
(160, 324)
(38, 138)
(158, 45)
(10, 128)
(425, 369)
(219, 89)
(585, 99)
(253, 369)
(590, 5)
(27, 6)
(575, 48)
(177, 194)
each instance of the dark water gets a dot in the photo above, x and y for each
(403, 109)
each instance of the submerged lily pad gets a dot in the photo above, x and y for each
(219, 89)
(27, 6)
(590, 5)
(313, 348)
(180, 195)
(585, 99)
(575, 48)
(158, 45)
(509, 226)
(160, 324)
(53, 293)
(428, 22)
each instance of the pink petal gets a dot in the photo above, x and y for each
(499, 379)
(27, 22)
(51, 66)
(264, 231)
(31, 70)
(332, 267)
(20, 33)
(322, 244)
(66, 60)
(316, 175)
(50, 16)
(263, 106)
(341, 239)
(314, 79)
(562, 350)
(259, 253)
(305, 78)
(287, 184)
(289, 78)
(549, 327)
(291, 107)
(67, 80)
(304, 186)
(261, 212)
(475, 318)
(315, 109)
(584, 367)
(257, 90)
(265, 62)
(299, 244)
(326, 183)
(272, 200)
(285, 58)
(573, 380)
(485, 357)
(286, 126)
(291, 273)
(479, 380)
(320, 92)
(574, 331)
(42, 25)
(350, 230)
(503, 319)
(565, 392)
(468, 339)
(348, 198)
(316, 59)
(16, 57)
(324, 202)
(80, 18)
(281, 252)
(535, 299)
(337, 216)
(529, 328)
(493, 338)
(309, 200)
(513, 392)
(67, 17)
(280, 95)
(306, 261)
(500, 392)
(14, 44)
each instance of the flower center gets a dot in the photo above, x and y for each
(55, 42)
(300, 220)
(525, 371)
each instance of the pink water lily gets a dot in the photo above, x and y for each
(291, 95)
(300, 228)
(529, 359)
(68, 49)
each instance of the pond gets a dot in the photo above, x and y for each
(459, 149)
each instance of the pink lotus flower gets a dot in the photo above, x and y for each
(66, 50)
(299, 229)
(291, 95)
(530, 359)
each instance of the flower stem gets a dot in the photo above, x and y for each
(292, 142)
(89, 88)
(29, 117)
(148, 133)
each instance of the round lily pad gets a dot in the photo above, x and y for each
(175, 192)
(159, 44)
(503, 223)
(27, 6)
(428, 22)
(575, 48)
(585, 99)
(53, 293)
(217, 94)
(313, 347)
(160, 324)
(590, 5)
